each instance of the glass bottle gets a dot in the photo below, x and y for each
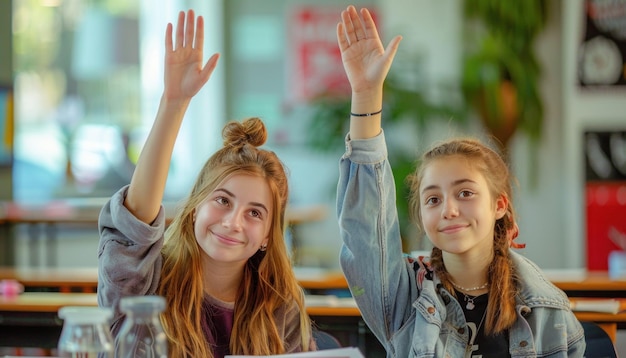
(86, 332)
(141, 334)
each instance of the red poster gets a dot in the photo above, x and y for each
(605, 174)
(606, 227)
(315, 66)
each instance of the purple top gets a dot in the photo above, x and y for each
(217, 324)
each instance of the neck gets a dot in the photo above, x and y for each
(468, 273)
(222, 280)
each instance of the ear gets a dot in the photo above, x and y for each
(502, 205)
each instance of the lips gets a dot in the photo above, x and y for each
(227, 240)
(451, 229)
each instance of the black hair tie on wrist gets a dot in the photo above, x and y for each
(365, 114)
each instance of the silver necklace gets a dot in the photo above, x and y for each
(470, 302)
(472, 288)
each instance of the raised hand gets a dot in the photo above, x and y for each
(365, 60)
(184, 71)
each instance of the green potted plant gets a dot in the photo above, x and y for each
(500, 71)
(406, 109)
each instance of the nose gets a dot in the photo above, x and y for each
(233, 220)
(449, 209)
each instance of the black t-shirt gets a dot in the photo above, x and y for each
(493, 346)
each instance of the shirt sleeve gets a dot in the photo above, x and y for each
(380, 278)
(289, 315)
(129, 254)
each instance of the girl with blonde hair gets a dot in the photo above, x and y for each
(222, 264)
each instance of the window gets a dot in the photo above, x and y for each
(88, 78)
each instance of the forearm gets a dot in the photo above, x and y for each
(147, 185)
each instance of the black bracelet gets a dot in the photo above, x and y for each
(365, 114)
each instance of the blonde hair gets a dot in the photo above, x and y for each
(268, 284)
(501, 276)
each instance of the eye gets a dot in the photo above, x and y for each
(432, 200)
(222, 201)
(466, 194)
(256, 214)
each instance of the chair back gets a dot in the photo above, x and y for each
(325, 340)
(599, 343)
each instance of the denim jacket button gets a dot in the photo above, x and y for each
(431, 310)
(523, 344)
(461, 330)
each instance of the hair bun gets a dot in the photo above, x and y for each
(251, 131)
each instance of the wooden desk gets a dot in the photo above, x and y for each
(30, 320)
(85, 279)
(577, 283)
(314, 279)
(46, 302)
(54, 279)
(580, 283)
(592, 284)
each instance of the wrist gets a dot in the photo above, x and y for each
(175, 102)
(367, 103)
(367, 114)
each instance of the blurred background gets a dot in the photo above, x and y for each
(80, 82)
(542, 80)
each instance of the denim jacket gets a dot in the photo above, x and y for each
(410, 312)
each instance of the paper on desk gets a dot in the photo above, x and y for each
(349, 352)
(596, 305)
(328, 301)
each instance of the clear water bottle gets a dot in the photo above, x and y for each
(142, 334)
(86, 332)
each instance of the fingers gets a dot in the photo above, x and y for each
(190, 29)
(209, 67)
(187, 32)
(357, 25)
(180, 28)
(199, 40)
(168, 38)
(392, 48)
(370, 30)
(348, 27)
(342, 40)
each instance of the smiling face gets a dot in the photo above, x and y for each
(457, 209)
(234, 221)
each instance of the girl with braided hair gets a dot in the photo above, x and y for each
(474, 296)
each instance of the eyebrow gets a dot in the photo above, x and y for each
(253, 203)
(454, 183)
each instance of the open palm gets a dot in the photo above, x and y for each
(364, 58)
(184, 71)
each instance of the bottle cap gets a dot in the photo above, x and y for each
(79, 314)
(142, 304)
